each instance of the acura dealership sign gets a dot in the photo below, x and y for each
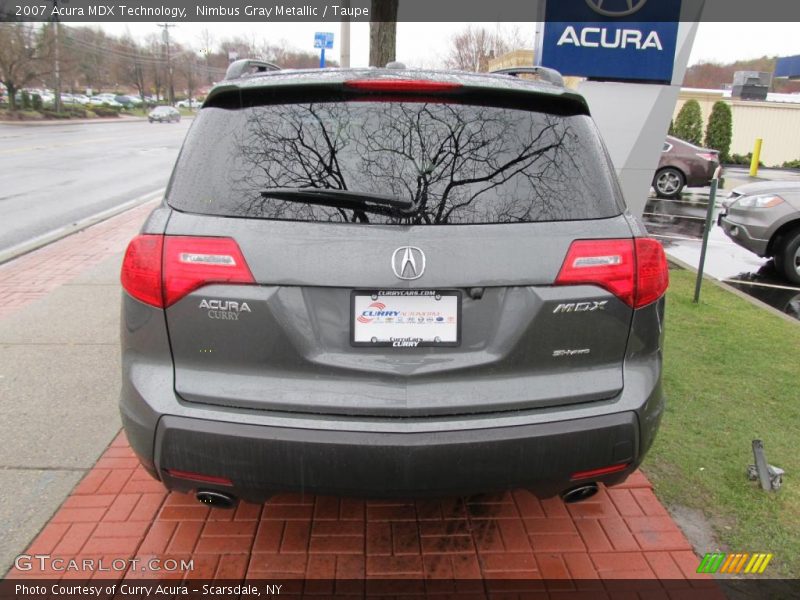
(615, 40)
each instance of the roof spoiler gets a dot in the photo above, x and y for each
(249, 66)
(544, 73)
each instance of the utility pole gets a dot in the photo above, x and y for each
(171, 85)
(57, 96)
(344, 53)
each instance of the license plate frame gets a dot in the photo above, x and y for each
(376, 295)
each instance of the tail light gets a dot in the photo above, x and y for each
(191, 475)
(635, 271)
(401, 85)
(592, 473)
(709, 156)
(141, 269)
(192, 262)
(160, 270)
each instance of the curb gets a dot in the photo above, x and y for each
(737, 292)
(67, 230)
(45, 122)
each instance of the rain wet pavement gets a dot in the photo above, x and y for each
(678, 224)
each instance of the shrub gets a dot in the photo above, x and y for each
(36, 102)
(105, 111)
(720, 129)
(689, 124)
(742, 159)
(791, 164)
(25, 97)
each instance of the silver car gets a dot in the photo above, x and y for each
(164, 114)
(764, 217)
(386, 282)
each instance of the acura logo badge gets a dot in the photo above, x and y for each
(408, 262)
(616, 8)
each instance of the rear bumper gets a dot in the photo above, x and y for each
(262, 460)
(263, 452)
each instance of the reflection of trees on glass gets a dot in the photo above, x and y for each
(456, 163)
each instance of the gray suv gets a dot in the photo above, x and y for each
(389, 282)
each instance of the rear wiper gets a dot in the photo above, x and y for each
(375, 203)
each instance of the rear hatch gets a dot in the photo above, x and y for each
(393, 251)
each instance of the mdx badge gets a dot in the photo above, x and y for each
(408, 262)
(574, 307)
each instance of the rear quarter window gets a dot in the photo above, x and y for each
(457, 163)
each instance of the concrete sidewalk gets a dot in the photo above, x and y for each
(59, 371)
(80, 493)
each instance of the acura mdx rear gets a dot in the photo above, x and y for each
(391, 283)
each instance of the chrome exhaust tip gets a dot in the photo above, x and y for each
(216, 499)
(578, 493)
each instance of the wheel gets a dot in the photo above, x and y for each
(669, 182)
(788, 264)
(151, 120)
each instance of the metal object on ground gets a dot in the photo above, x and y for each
(706, 230)
(770, 477)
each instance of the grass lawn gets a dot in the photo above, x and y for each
(731, 375)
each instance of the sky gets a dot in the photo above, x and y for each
(426, 44)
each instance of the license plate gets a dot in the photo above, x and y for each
(406, 318)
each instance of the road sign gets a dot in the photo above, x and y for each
(323, 39)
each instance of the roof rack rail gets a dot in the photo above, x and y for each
(249, 66)
(545, 73)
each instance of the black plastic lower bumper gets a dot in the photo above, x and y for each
(261, 461)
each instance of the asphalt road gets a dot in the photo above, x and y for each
(54, 176)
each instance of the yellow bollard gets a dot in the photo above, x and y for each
(756, 157)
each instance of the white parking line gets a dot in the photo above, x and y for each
(650, 214)
(688, 239)
(765, 285)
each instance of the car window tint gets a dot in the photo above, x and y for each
(458, 164)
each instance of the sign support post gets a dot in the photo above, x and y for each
(323, 40)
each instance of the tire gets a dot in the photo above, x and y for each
(669, 182)
(788, 264)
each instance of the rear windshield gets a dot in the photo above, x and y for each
(450, 163)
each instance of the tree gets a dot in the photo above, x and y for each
(25, 55)
(720, 129)
(130, 66)
(383, 32)
(472, 48)
(671, 130)
(689, 124)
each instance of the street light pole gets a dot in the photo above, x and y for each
(57, 96)
(171, 88)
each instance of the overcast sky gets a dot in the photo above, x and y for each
(426, 44)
